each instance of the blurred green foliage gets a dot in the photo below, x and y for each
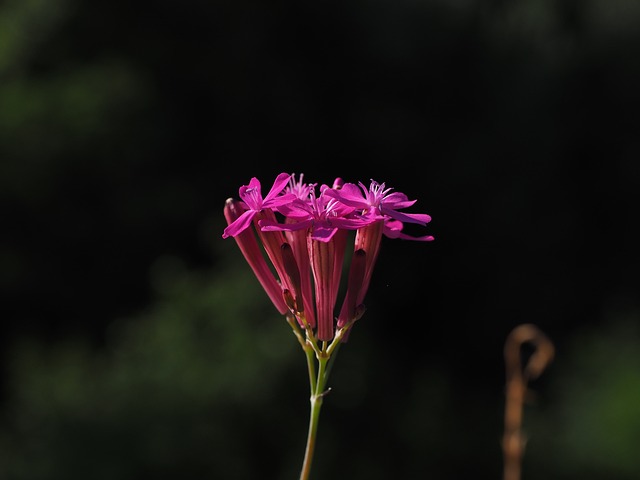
(186, 389)
(588, 424)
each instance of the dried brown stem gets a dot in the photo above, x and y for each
(517, 378)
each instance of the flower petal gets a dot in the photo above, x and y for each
(419, 218)
(278, 186)
(239, 225)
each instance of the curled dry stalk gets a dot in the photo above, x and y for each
(517, 378)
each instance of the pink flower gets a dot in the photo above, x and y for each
(252, 252)
(251, 195)
(378, 202)
(304, 236)
(322, 215)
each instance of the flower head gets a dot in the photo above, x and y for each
(252, 252)
(251, 195)
(379, 203)
(303, 231)
(321, 214)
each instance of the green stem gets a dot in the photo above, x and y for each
(317, 395)
(325, 354)
(316, 403)
(311, 366)
(331, 359)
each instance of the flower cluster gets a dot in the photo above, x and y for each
(304, 231)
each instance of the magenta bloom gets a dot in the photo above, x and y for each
(251, 195)
(322, 215)
(305, 235)
(252, 252)
(378, 202)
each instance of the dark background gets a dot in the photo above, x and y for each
(135, 342)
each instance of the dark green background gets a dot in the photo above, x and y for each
(135, 342)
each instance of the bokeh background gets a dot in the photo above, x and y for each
(135, 342)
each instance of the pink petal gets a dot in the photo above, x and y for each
(272, 226)
(350, 195)
(280, 183)
(323, 233)
(393, 229)
(397, 198)
(420, 218)
(239, 225)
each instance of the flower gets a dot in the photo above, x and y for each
(252, 252)
(305, 233)
(380, 203)
(322, 215)
(321, 218)
(251, 195)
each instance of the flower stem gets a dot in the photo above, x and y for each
(325, 355)
(317, 395)
(312, 369)
(316, 403)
